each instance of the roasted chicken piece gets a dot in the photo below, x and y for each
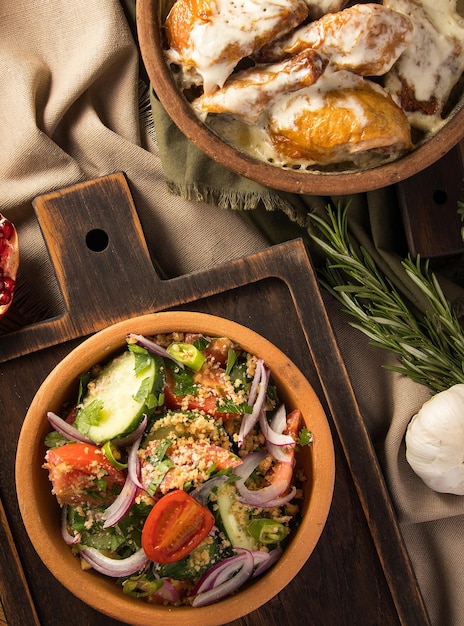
(365, 38)
(337, 119)
(422, 79)
(207, 38)
(247, 94)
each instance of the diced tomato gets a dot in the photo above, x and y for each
(175, 526)
(218, 349)
(211, 392)
(197, 458)
(82, 475)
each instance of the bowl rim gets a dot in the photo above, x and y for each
(36, 514)
(292, 181)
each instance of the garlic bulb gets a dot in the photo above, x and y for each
(435, 441)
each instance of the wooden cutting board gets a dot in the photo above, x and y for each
(429, 206)
(360, 572)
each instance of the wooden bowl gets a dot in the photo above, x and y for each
(295, 181)
(41, 514)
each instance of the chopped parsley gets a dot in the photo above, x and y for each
(305, 437)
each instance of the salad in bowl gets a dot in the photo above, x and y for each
(180, 468)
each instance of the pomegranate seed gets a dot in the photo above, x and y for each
(9, 261)
(5, 298)
(6, 228)
(9, 285)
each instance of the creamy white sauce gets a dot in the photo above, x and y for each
(434, 60)
(287, 107)
(367, 40)
(234, 24)
(248, 93)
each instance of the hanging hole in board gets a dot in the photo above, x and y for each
(97, 240)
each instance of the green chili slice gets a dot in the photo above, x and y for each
(113, 455)
(141, 587)
(187, 354)
(267, 530)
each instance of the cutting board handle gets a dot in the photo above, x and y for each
(101, 260)
(429, 205)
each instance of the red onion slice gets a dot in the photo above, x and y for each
(114, 567)
(66, 430)
(275, 438)
(279, 419)
(125, 499)
(121, 505)
(263, 564)
(278, 501)
(267, 497)
(250, 419)
(234, 572)
(167, 591)
(223, 573)
(210, 577)
(133, 463)
(276, 426)
(280, 454)
(67, 537)
(249, 463)
(153, 347)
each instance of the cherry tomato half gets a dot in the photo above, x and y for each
(176, 525)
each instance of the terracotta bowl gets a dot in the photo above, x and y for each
(41, 514)
(296, 181)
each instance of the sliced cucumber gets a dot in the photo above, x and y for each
(118, 397)
(234, 527)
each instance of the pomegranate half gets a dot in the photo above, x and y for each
(9, 262)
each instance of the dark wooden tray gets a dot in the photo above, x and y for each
(360, 572)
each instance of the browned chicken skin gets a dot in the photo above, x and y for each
(210, 37)
(338, 124)
(247, 93)
(365, 38)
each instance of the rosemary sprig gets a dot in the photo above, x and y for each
(430, 346)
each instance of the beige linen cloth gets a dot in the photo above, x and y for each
(69, 112)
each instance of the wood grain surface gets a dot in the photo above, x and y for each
(429, 203)
(360, 571)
